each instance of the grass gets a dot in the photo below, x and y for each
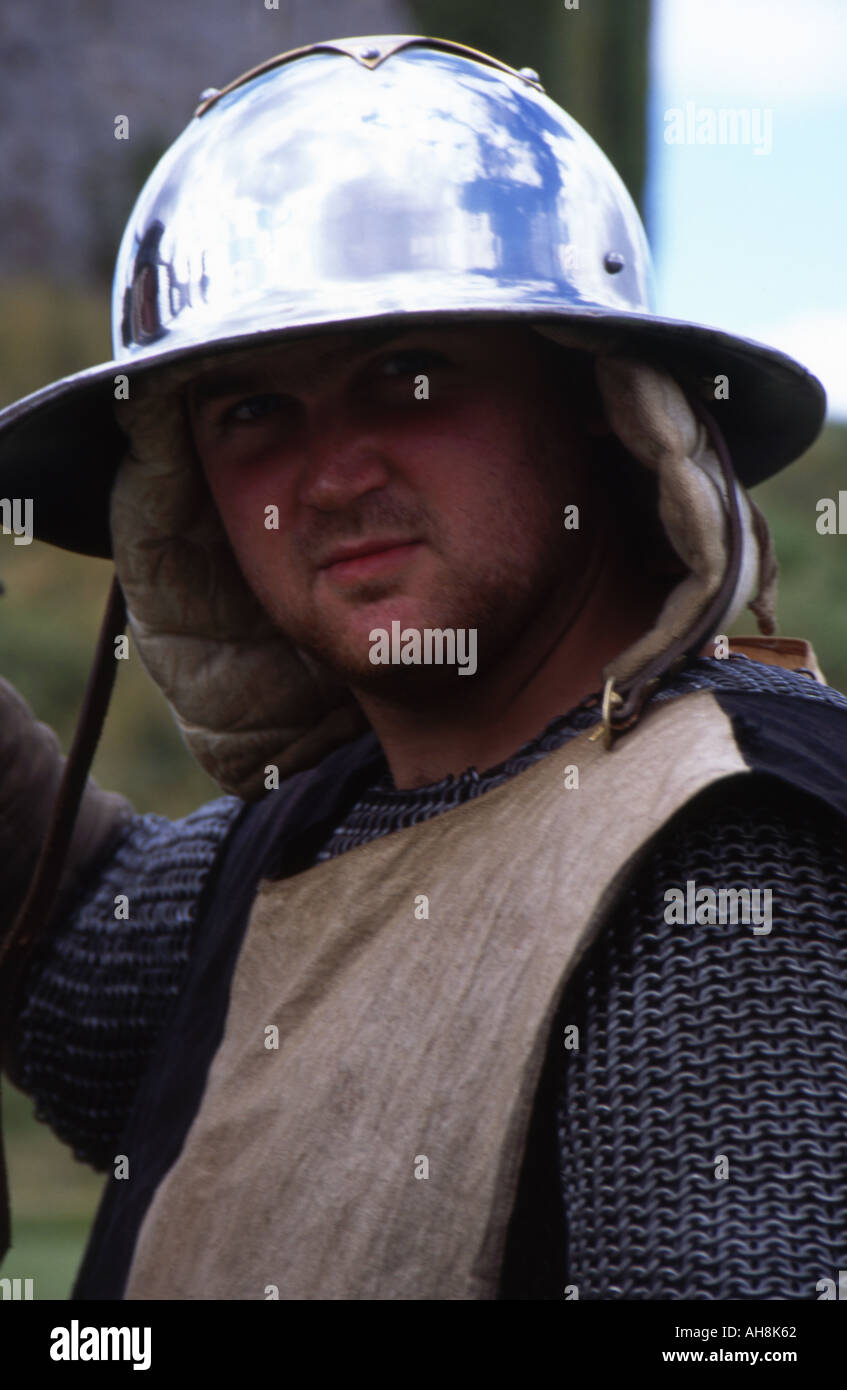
(53, 1201)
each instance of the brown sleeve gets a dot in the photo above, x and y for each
(31, 766)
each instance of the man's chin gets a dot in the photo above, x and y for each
(430, 686)
(394, 680)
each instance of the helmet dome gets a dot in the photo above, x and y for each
(367, 181)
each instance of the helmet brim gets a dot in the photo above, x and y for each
(61, 445)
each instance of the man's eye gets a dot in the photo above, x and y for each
(413, 360)
(253, 408)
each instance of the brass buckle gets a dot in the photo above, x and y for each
(604, 728)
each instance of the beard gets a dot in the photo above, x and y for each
(500, 596)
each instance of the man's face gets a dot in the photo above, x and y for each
(456, 500)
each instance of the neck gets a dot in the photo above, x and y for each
(557, 664)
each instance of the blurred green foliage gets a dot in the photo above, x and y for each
(811, 566)
(53, 1201)
(49, 620)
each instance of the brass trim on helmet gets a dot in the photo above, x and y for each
(355, 48)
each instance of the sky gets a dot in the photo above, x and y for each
(754, 243)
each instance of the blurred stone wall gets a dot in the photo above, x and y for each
(69, 67)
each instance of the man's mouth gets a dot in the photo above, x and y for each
(366, 557)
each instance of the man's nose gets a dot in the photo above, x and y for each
(344, 457)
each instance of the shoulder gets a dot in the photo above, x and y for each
(786, 726)
(750, 832)
(742, 676)
(155, 853)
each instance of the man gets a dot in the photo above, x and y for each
(508, 962)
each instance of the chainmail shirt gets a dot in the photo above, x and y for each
(702, 1050)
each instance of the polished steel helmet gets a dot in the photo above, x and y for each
(370, 181)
